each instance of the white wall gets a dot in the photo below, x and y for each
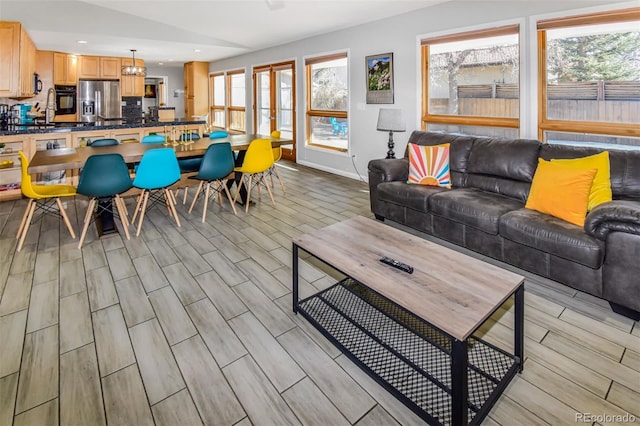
(175, 81)
(399, 35)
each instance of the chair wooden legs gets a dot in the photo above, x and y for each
(63, 213)
(261, 182)
(122, 212)
(275, 169)
(172, 205)
(87, 220)
(223, 183)
(141, 207)
(144, 197)
(24, 218)
(31, 208)
(220, 186)
(25, 223)
(195, 197)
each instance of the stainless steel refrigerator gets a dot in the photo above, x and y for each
(99, 99)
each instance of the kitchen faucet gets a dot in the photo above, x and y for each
(50, 109)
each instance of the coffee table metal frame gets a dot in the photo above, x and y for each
(461, 410)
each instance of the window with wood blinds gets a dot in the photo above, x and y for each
(327, 94)
(471, 82)
(218, 100)
(236, 101)
(589, 79)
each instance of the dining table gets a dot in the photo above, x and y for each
(69, 158)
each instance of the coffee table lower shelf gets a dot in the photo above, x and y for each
(406, 355)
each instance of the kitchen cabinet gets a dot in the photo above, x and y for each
(18, 60)
(132, 85)
(89, 67)
(99, 67)
(109, 67)
(196, 91)
(65, 69)
(10, 174)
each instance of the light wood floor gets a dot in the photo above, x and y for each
(194, 325)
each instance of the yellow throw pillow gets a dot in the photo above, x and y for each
(561, 191)
(601, 187)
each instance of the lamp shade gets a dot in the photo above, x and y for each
(391, 120)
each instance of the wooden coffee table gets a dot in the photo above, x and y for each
(413, 333)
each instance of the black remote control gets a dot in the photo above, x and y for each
(397, 264)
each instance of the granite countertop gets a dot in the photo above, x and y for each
(98, 125)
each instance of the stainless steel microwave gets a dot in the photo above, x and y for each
(66, 99)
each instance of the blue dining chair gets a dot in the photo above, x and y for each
(103, 142)
(104, 176)
(153, 139)
(218, 134)
(216, 168)
(157, 171)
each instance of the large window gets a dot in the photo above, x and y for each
(471, 82)
(217, 100)
(236, 110)
(327, 102)
(589, 71)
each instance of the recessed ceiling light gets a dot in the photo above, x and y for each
(160, 63)
(170, 60)
(82, 42)
(196, 50)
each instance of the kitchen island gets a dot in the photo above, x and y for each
(32, 138)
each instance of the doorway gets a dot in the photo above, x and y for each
(274, 93)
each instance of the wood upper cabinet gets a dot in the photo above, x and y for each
(89, 67)
(17, 61)
(109, 67)
(196, 92)
(93, 67)
(65, 69)
(130, 85)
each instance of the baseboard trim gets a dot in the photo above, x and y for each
(353, 176)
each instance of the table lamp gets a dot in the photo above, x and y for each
(391, 120)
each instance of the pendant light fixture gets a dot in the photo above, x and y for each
(132, 69)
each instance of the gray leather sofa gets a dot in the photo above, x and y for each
(484, 212)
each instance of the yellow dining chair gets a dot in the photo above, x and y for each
(277, 156)
(257, 160)
(41, 197)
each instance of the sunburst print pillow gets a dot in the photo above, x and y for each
(429, 165)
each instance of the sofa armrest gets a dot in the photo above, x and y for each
(385, 170)
(615, 216)
(389, 170)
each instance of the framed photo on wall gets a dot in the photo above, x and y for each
(380, 78)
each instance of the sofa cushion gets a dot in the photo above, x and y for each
(429, 165)
(515, 159)
(552, 235)
(473, 207)
(413, 196)
(503, 166)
